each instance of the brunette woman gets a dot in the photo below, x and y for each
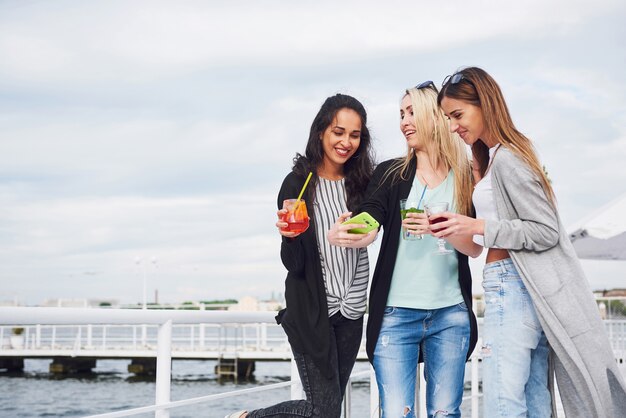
(326, 286)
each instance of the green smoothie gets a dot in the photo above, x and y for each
(403, 212)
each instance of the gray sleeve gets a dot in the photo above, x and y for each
(533, 222)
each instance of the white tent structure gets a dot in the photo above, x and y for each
(602, 235)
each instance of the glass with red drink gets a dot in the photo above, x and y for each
(432, 209)
(297, 217)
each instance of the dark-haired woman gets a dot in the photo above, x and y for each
(536, 294)
(326, 286)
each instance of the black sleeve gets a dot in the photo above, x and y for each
(376, 201)
(291, 250)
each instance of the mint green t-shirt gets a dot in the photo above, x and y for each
(421, 279)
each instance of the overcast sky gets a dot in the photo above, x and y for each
(151, 137)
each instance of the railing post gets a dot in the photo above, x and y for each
(474, 383)
(420, 394)
(144, 336)
(347, 400)
(296, 387)
(264, 335)
(201, 329)
(374, 398)
(219, 337)
(78, 340)
(89, 335)
(164, 368)
(38, 336)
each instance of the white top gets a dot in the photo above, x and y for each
(345, 270)
(483, 198)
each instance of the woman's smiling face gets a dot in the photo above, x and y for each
(341, 138)
(465, 119)
(415, 138)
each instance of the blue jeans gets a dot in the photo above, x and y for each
(515, 348)
(323, 395)
(442, 335)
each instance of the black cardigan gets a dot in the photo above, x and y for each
(305, 320)
(383, 203)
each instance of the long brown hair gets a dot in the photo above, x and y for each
(475, 86)
(443, 148)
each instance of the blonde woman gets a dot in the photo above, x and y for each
(536, 294)
(420, 303)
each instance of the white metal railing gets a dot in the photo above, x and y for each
(203, 337)
(78, 318)
(164, 321)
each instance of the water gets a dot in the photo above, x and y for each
(37, 393)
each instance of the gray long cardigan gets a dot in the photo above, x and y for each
(589, 380)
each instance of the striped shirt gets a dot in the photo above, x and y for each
(345, 270)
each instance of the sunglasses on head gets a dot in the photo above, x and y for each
(454, 78)
(425, 85)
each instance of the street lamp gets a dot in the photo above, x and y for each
(141, 265)
(142, 269)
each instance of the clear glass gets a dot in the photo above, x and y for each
(297, 217)
(408, 206)
(433, 209)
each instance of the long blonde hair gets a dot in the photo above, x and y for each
(443, 148)
(475, 86)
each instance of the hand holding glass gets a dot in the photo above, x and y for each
(432, 209)
(409, 207)
(297, 217)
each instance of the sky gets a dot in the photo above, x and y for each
(147, 140)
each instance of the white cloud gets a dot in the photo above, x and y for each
(141, 129)
(146, 40)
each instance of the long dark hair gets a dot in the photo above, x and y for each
(357, 170)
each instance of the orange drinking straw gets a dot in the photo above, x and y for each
(295, 205)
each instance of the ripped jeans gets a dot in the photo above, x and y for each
(443, 337)
(515, 348)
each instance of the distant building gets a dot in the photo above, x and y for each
(270, 305)
(246, 303)
(250, 304)
(80, 303)
(65, 303)
(614, 293)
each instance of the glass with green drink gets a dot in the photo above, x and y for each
(409, 206)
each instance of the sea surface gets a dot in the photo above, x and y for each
(38, 393)
(110, 387)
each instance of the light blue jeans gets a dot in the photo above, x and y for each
(443, 337)
(515, 348)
